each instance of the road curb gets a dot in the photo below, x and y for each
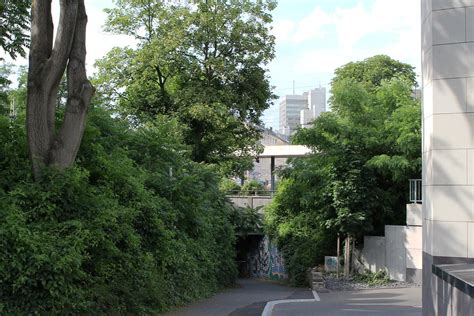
(270, 305)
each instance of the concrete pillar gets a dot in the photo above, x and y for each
(272, 174)
(448, 138)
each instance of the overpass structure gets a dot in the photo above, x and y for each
(282, 151)
(270, 152)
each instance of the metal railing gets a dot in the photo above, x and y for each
(416, 191)
(251, 193)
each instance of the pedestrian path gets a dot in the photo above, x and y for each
(386, 302)
(248, 298)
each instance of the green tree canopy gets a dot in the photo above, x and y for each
(373, 70)
(14, 26)
(203, 63)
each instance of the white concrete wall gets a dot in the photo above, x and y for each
(399, 250)
(413, 245)
(448, 127)
(395, 252)
(250, 201)
(414, 214)
(373, 253)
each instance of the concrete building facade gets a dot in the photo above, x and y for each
(317, 101)
(448, 153)
(290, 108)
(300, 110)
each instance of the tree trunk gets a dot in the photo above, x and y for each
(347, 256)
(47, 63)
(338, 254)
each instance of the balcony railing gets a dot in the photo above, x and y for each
(415, 191)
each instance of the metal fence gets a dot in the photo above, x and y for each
(415, 191)
(251, 193)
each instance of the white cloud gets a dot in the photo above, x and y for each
(325, 60)
(352, 34)
(393, 19)
(282, 30)
(352, 24)
(312, 26)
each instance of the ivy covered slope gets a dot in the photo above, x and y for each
(134, 228)
(366, 149)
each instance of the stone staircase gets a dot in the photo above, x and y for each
(317, 281)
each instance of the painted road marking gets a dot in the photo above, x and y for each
(270, 305)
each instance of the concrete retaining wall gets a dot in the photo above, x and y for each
(372, 255)
(399, 252)
(250, 201)
(395, 252)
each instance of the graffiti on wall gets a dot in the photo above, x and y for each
(267, 261)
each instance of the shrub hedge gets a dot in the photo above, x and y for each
(135, 227)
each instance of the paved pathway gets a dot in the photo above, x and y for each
(250, 296)
(386, 302)
(247, 299)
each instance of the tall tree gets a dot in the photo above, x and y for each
(14, 25)
(46, 68)
(203, 63)
(373, 70)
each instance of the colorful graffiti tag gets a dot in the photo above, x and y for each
(267, 262)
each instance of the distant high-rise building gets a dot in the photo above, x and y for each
(317, 101)
(290, 108)
(301, 110)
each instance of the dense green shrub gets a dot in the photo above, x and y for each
(229, 186)
(296, 220)
(253, 187)
(134, 228)
(247, 220)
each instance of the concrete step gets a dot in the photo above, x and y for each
(319, 287)
(316, 276)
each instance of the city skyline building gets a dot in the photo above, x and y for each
(300, 110)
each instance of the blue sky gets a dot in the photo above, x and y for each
(313, 37)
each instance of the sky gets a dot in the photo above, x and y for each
(313, 38)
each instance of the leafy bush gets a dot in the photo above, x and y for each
(247, 220)
(228, 185)
(252, 187)
(373, 278)
(116, 234)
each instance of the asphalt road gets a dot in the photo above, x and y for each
(248, 298)
(386, 302)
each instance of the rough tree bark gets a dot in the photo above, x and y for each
(47, 63)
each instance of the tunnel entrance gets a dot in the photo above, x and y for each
(246, 246)
(258, 257)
